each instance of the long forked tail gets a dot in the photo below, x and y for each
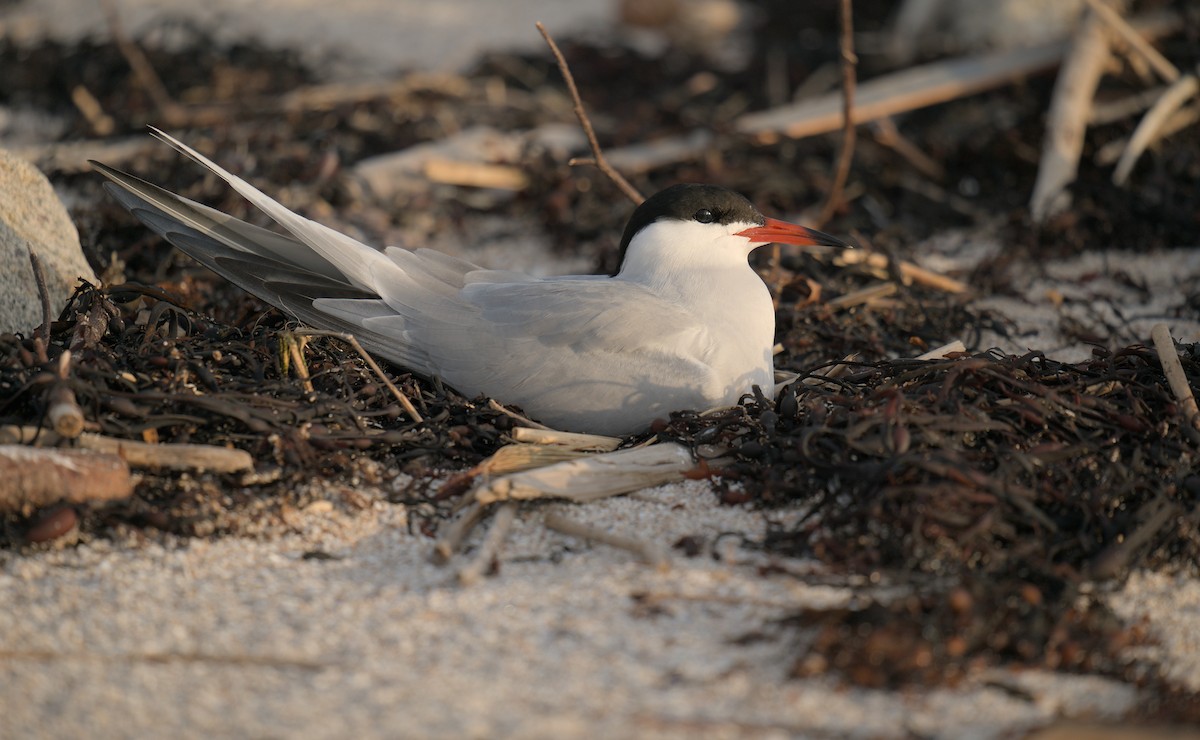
(279, 269)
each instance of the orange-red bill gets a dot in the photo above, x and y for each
(783, 232)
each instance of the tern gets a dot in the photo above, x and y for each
(686, 323)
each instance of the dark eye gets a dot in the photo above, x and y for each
(704, 216)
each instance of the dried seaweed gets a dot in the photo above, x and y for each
(1000, 489)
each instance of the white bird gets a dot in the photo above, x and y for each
(685, 323)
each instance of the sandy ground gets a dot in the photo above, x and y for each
(250, 637)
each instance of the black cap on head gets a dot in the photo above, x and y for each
(691, 202)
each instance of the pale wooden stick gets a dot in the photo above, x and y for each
(939, 353)
(1113, 19)
(63, 410)
(593, 477)
(1066, 123)
(1173, 369)
(452, 536)
(141, 454)
(908, 270)
(901, 92)
(866, 295)
(648, 552)
(1122, 108)
(1154, 122)
(353, 342)
(1111, 152)
(831, 372)
(102, 124)
(572, 440)
(476, 174)
(479, 565)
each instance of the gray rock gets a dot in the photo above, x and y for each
(32, 217)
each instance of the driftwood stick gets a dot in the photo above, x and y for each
(939, 353)
(66, 418)
(866, 295)
(1169, 72)
(31, 477)
(648, 552)
(1176, 378)
(570, 440)
(846, 155)
(1066, 124)
(141, 454)
(908, 270)
(593, 477)
(598, 155)
(924, 85)
(485, 558)
(452, 536)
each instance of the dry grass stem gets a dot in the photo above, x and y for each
(375, 368)
(1129, 35)
(1150, 128)
(1111, 152)
(499, 408)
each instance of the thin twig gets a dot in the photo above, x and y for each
(495, 405)
(648, 552)
(848, 63)
(629, 190)
(212, 458)
(1176, 378)
(353, 342)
